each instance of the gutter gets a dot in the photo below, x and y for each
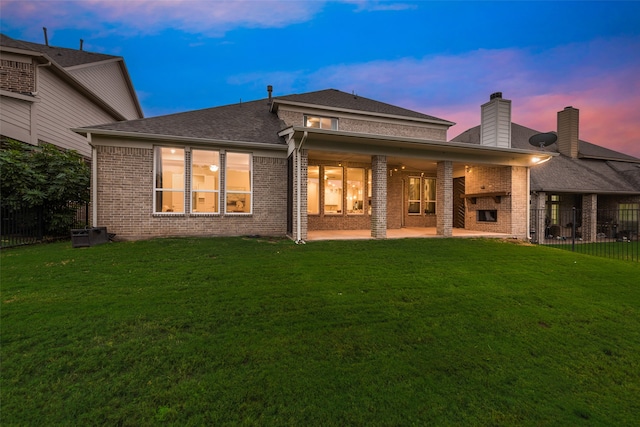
(94, 183)
(175, 138)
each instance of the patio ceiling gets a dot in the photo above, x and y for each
(414, 154)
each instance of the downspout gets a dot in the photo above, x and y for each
(528, 236)
(299, 184)
(94, 183)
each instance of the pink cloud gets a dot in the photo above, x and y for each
(598, 77)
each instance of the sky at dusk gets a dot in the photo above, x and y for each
(440, 58)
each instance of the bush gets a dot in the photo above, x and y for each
(46, 178)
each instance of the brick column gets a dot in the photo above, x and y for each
(589, 217)
(379, 197)
(304, 163)
(538, 215)
(444, 199)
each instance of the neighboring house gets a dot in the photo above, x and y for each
(603, 185)
(45, 91)
(325, 160)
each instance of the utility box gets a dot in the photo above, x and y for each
(85, 237)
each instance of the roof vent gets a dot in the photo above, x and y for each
(270, 91)
(495, 95)
(46, 38)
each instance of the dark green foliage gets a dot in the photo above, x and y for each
(45, 178)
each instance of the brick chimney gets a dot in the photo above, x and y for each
(568, 125)
(495, 122)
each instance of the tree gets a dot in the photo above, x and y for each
(46, 178)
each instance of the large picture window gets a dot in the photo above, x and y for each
(355, 190)
(238, 183)
(205, 181)
(169, 180)
(332, 190)
(313, 190)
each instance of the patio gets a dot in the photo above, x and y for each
(399, 233)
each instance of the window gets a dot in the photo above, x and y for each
(429, 195)
(169, 180)
(313, 190)
(321, 122)
(238, 183)
(414, 196)
(487, 215)
(554, 208)
(205, 181)
(421, 196)
(628, 216)
(355, 191)
(332, 190)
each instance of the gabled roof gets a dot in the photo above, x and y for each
(337, 100)
(65, 57)
(245, 122)
(596, 170)
(63, 60)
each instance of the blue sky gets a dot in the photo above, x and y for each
(440, 58)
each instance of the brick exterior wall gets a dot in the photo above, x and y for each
(568, 127)
(589, 217)
(125, 200)
(17, 76)
(432, 132)
(304, 218)
(444, 197)
(379, 197)
(512, 210)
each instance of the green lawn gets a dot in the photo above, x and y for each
(259, 332)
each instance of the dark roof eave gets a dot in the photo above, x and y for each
(611, 159)
(593, 191)
(174, 138)
(462, 151)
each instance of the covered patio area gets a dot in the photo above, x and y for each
(400, 233)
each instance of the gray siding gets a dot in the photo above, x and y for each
(15, 118)
(61, 109)
(108, 81)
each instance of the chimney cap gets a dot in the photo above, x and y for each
(495, 95)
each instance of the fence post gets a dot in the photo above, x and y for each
(40, 221)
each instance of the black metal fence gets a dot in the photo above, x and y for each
(29, 225)
(611, 233)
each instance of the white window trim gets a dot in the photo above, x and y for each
(419, 200)
(156, 149)
(250, 192)
(426, 201)
(192, 190)
(333, 120)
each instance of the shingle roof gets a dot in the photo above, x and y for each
(247, 122)
(65, 57)
(596, 170)
(334, 98)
